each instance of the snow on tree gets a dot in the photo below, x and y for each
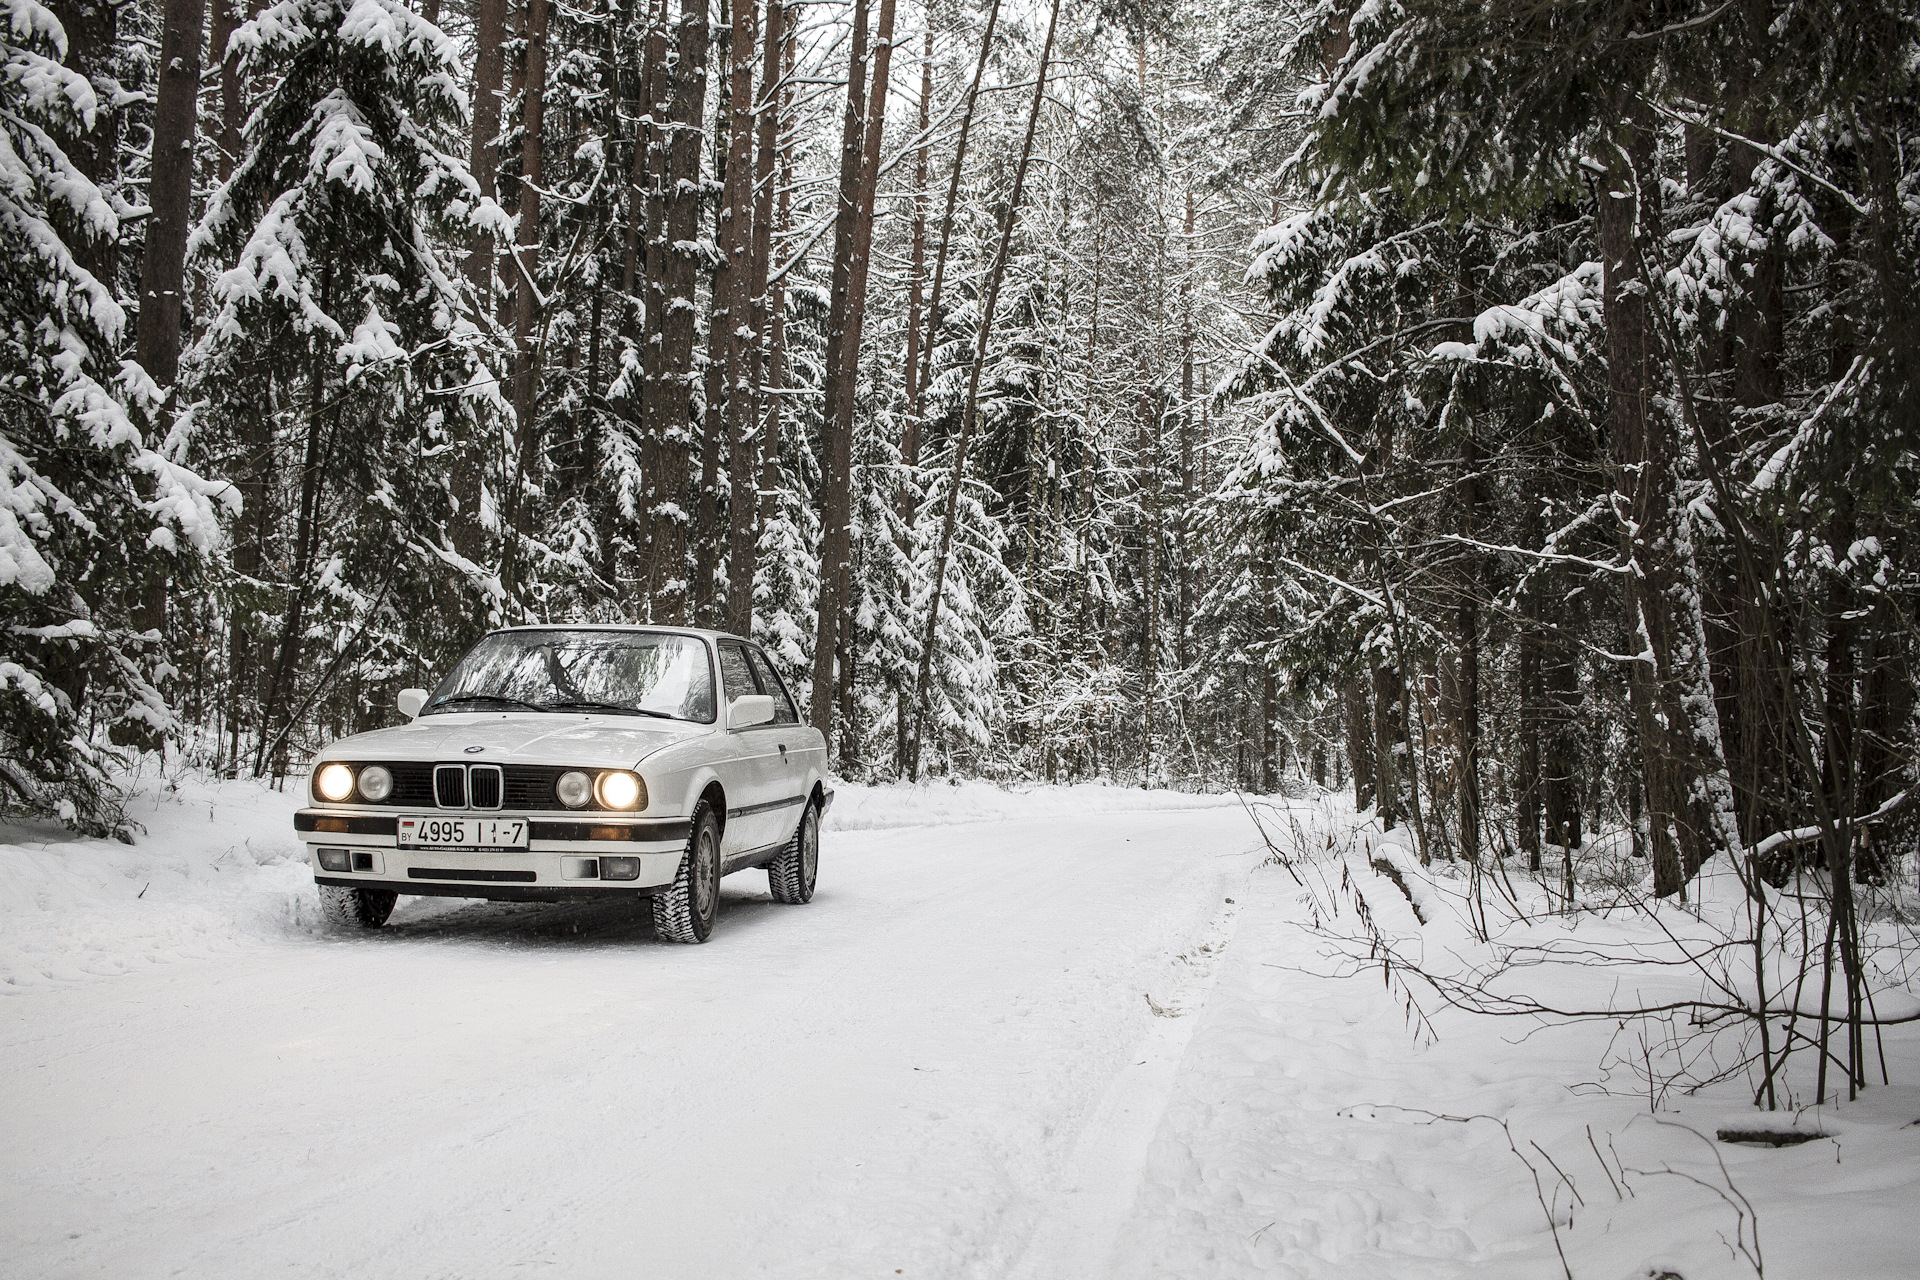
(339, 359)
(86, 488)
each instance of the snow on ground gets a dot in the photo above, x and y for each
(1317, 1128)
(1071, 1032)
(942, 803)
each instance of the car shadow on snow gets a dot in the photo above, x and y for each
(624, 922)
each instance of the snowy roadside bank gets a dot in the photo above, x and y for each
(218, 865)
(1321, 1127)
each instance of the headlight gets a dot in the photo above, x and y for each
(574, 789)
(621, 790)
(376, 784)
(335, 782)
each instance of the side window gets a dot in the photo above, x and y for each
(735, 675)
(783, 712)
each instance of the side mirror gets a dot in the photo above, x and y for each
(745, 712)
(411, 700)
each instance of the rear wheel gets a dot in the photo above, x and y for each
(350, 908)
(793, 870)
(686, 911)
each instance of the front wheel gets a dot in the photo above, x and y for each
(350, 908)
(686, 911)
(793, 870)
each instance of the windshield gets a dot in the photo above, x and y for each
(637, 673)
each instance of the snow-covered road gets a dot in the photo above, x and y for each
(1059, 1034)
(948, 1064)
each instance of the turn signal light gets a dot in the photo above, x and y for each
(619, 868)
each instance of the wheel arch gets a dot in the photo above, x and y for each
(716, 797)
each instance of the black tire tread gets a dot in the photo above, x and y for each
(785, 875)
(355, 908)
(674, 916)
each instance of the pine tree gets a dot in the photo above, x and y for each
(335, 307)
(85, 489)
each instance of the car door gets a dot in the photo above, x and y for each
(755, 773)
(792, 742)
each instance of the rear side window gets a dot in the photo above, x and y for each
(736, 676)
(783, 712)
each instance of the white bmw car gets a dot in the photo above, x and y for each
(567, 762)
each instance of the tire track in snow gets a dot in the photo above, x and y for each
(1078, 1229)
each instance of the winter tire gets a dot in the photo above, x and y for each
(348, 908)
(793, 870)
(686, 911)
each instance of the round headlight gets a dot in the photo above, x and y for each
(334, 782)
(574, 789)
(620, 790)
(376, 784)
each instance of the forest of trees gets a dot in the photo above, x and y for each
(1507, 408)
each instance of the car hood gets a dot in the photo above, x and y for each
(594, 741)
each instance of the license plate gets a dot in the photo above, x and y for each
(464, 833)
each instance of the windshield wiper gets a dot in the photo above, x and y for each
(587, 704)
(487, 697)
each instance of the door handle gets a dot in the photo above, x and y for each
(783, 751)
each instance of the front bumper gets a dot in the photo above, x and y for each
(561, 858)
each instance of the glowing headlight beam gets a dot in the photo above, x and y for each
(334, 782)
(619, 789)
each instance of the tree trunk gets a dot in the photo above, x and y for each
(1467, 710)
(93, 46)
(489, 69)
(1564, 763)
(227, 16)
(743, 507)
(710, 410)
(157, 334)
(170, 191)
(836, 445)
(917, 275)
(923, 685)
(1147, 477)
(916, 391)
(1689, 802)
(1360, 748)
(843, 356)
(672, 428)
(527, 303)
(655, 393)
(1183, 584)
(1389, 720)
(763, 420)
(306, 539)
(911, 429)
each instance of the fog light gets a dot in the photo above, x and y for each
(574, 789)
(333, 782)
(376, 784)
(619, 868)
(335, 860)
(621, 790)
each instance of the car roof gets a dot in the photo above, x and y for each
(703, 632)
